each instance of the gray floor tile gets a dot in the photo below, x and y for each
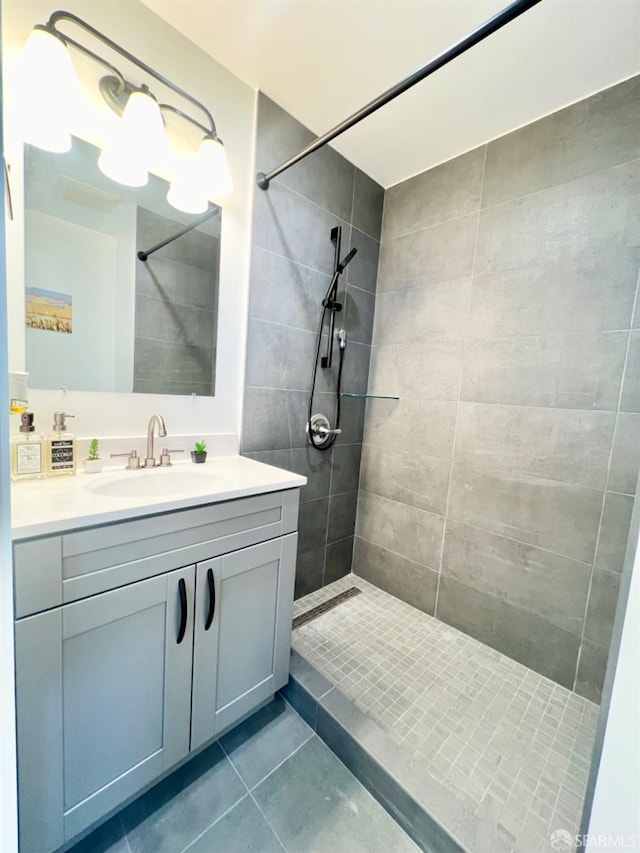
(175, 812)
(265, 740)
(315, 804)
(242, 830)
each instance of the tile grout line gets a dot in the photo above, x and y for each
(284, 760)
(268, 822)
(250, 795)
(216, 821)
(124, 832)
(457, 415)
(604, 494)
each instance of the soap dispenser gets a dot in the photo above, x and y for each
(27, 458)
(60, 447)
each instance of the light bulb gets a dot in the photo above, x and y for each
(139, 141)
(214, 168)
(186, 192)
(49, 92)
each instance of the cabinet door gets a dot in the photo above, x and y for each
(103, 703)
(243, 657)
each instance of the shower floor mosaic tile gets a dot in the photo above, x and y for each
(516, 743)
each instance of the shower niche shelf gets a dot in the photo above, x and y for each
(370, 396)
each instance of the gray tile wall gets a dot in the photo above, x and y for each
(291, 266)
(497, 493)
(176, 310)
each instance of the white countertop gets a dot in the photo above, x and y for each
(67, 503)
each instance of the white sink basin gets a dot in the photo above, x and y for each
(147, 484)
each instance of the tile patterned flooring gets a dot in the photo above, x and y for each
(515, 742)
(268, 786)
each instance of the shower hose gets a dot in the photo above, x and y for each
(327, 443)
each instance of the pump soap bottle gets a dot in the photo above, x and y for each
(61, 447)
(27, 458)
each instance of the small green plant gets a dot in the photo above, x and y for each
(201, 446)
(94, 449)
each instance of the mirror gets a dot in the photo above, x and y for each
(98, 318)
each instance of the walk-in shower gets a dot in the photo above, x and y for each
(320, 434)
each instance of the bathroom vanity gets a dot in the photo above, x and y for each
(145, 627)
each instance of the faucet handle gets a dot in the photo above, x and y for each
(165, 458)
(133, 462)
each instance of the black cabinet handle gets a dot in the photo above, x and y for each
(182, 590)
(212, 599)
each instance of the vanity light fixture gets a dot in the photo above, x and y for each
(51, 93)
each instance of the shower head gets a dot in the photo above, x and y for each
(344, 263)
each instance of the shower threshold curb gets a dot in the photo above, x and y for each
(438, 819)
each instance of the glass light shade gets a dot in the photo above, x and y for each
(186, 192)
(214, 168)
(139, 141)
(49, 92)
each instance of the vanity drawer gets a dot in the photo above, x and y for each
(58, 569)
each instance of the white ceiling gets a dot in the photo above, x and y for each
(323, 59)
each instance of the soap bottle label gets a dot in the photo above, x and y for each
(28, 457)
(61, 454)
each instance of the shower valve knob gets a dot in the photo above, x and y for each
(319, 432)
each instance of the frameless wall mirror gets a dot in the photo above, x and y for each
(98, 318)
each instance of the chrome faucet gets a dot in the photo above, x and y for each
(150, 460)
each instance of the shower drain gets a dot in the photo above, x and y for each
(329, 604)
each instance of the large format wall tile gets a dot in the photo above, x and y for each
(428, 311)
(284, 292)
(413, 479)
(363, 268)
(410, 532)
(274, 420)
(555, 444)
(290, 225)
(449, 248)
(524, 636)
(593, 213)
(614, 532)
(631, 388)
(591, 670)
(430, 370)
(416, 426)
(602, 607)
(445, 192)
(269, 356)
(368, 200)
(555, 516)
(584, 293)
(625, 459)
(409, 581)
(538, 581)
(597, 133)
(564, 371)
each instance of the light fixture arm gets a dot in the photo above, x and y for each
(56, 17)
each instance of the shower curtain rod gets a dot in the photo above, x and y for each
(508, 14)
(213, 211)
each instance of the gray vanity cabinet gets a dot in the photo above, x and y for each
(117, 686)
(103, 700)
(242, 633)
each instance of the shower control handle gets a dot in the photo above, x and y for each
(319, 432)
